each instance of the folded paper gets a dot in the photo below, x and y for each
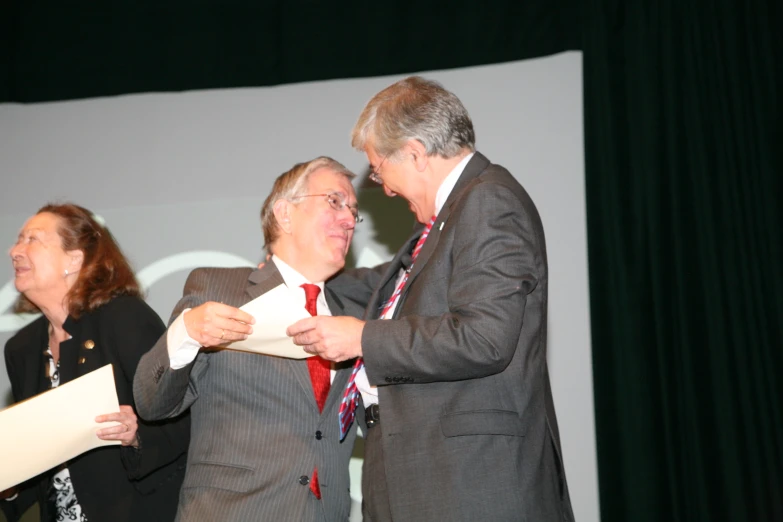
(51, 428)
(274, 311)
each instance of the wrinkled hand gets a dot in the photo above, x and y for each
(214, 324)
(333, 338)
(125, 431)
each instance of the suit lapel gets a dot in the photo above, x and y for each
(34, 380)
(477, 164)
(259, 282)
(263, 280)
(389, 279)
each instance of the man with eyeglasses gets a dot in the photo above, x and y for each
(264, 441)
(453, 373)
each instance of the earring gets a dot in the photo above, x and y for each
(66, 271)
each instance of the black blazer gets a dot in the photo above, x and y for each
(113, 484)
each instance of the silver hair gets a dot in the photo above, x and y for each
(291, 184)
(418, 109)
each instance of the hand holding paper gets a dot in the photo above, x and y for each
(125, 431)
(273, 312)
(27, 447)
(215, 324)
(332, 338)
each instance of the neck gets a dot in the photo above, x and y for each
(55, 309)
(439, 169)
(314, 274)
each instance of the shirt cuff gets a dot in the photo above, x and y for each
(182, 349)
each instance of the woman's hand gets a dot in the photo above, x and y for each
(125, 431)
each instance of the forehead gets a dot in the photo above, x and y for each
(325, 180)
(44, 222)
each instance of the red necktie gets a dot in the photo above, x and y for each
(320, 372)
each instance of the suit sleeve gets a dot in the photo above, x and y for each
(496, 260)
(15, 372)
(27, 492)
(161, 392)
(133, 327)
(358, 284)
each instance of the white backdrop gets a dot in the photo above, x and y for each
(180, 178)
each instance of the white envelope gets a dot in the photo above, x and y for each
(274, 311)
(51, 428)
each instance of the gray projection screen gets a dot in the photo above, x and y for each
(180, 177)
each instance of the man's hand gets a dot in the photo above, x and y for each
(214, 324)
(125, 431)
(333, 338)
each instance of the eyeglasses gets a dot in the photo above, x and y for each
(374, 173)
(337, 201)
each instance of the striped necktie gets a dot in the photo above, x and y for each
(347, 412)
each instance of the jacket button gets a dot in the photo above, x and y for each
(389, 379)
(81, 360)
(318, 435)
(304, 480)
(89, 344)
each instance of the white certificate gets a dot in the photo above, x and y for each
(274, 311)
(55, 426)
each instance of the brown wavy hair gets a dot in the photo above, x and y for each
(105, 272)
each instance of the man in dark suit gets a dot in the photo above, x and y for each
(264, 437)
(461, 420)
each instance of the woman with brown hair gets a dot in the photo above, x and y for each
(68, 267)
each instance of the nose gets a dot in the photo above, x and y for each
(14, 251)
(346, 219)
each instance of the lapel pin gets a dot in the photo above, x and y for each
(441, 225)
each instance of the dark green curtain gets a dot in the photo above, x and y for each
(52, 50)
(683, 188)
(684, 226)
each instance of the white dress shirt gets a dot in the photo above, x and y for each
(369, 392)
(183, 349)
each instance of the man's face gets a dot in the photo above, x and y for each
(400, 177)
(322, 234)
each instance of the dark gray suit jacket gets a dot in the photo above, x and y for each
(256, 429)
(467, 418)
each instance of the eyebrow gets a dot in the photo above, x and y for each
(28, 231)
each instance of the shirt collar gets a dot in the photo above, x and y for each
(291, 277)
(448, 184)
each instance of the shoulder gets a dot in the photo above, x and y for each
(129, 308)
(26, 336)
(497, 188)
(210, 274)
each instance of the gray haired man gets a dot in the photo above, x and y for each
(453, 370)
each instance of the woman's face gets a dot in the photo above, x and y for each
(39, 261)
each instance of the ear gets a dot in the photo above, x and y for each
(76, 258)
(282, 210)
(419, 153)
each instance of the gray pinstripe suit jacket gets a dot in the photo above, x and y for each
(256, 429)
